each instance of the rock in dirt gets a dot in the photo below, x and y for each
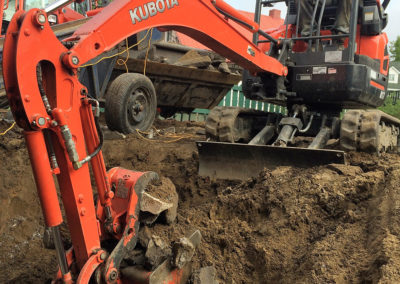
(345, 169)
(144, 236)
(157, 251)
(224, 68)
(194, 59)
(183, 251)
(205, 275)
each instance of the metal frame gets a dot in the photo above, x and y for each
(351, 35)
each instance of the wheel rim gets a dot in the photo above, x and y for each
(138, 106)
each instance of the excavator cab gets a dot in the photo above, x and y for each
(346, 71)
(372, 19)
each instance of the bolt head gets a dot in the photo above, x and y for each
(75, 60)
(113, 275)
(83, 211)
(103, 255)
(81, 198)
(110, 194)
(41, 121)
(41, 18)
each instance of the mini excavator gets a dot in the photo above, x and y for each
(327, 72)
(315, 78)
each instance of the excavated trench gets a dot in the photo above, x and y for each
(330, 224)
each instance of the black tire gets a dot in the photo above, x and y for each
(130, 103)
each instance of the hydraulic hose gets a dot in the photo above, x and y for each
(99, 132)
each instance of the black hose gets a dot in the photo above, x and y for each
(264, 34)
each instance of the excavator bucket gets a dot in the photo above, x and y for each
(236, 161)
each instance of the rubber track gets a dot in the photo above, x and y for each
(350, 130)
(223, 125)
(360, 130)
(212, 123)
(220, 123)
(369, 132)
(227, 129)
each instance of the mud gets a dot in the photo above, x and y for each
(330, 224)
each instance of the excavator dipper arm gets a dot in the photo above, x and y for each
(56, 113)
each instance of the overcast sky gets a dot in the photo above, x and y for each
(393, 28)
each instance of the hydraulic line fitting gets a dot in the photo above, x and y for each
(68, 139)
(70, 145)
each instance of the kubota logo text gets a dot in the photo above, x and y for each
(151, 9)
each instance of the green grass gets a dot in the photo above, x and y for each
(390, 108)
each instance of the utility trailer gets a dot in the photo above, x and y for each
(177, 88)
(182, 78)
(182, 88)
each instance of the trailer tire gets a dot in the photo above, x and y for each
(130, 103)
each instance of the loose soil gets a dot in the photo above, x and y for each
(329, 224)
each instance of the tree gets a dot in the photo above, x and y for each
(394, 48)
(391, 107)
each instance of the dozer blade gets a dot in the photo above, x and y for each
(234, 161)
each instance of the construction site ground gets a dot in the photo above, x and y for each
(328, 224)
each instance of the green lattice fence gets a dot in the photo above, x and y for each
(233, 98)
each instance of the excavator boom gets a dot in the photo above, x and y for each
(198, 19)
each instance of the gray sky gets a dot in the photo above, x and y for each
(393, 28)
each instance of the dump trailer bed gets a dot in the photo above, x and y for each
(180, 87)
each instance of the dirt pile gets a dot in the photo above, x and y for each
(331, 224)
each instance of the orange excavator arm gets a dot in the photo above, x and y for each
(198, 19)
(61, 132)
